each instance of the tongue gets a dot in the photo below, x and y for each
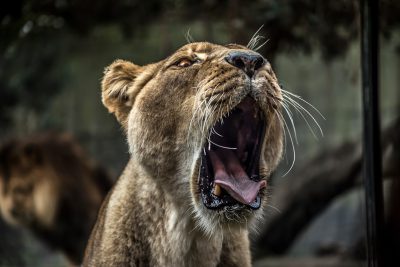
(231, 176)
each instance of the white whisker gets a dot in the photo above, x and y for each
(274, 208)
(284, 132)
(301, 99)
(295, 103)
(261, 45)
(221, 146)
(255, 39)
(291, 141)
(290, 115)
(215, 132)
(188, 37)
(302, 115)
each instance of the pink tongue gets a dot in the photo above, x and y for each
(229, 174)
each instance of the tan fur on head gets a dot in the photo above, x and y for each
(155, 215)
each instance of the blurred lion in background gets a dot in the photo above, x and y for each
(48, 185)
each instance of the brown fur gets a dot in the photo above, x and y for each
(49, 186)
(154, 215)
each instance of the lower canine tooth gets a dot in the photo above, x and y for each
(217, 190)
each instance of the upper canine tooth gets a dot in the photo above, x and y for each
(217, 190)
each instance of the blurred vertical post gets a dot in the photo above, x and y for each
(372, 165)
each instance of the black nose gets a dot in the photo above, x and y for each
(247, 62)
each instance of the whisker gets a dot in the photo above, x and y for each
(215, 132)
(255, 39)
(261, 45)
(284, 133)
(209, 117)
(290, 115)
(291, 141)
(300, 98)
(188, 37)
(274, 96)
(273, 207)
(304, 118)
(221, 146)
(294, 102)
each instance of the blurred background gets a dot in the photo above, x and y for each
(53, 52)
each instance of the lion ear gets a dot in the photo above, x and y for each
(117, 79)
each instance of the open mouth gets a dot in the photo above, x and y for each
(229, 173)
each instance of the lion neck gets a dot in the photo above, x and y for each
(168, 224)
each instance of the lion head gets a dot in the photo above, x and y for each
(205, 123)
(28, 188)
(49, 186)
(47, 182)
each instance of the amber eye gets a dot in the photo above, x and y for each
(183, 63)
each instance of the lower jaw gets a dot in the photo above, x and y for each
(213, 202)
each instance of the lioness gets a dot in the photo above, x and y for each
(49, 186)
(204, 133)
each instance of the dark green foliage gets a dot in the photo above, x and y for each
(31, 32)
(28, 74)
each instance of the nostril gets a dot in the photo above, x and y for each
(258, 63)
(238, 62)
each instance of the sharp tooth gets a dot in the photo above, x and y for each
(217, 190)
